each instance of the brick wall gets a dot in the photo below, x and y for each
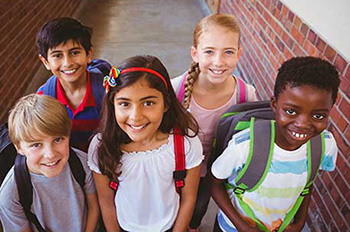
(271, 34)
(19, 22)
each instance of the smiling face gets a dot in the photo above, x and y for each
(68, 61)
(217, 53)
(139, 112)
(46, 155)
(301, 113)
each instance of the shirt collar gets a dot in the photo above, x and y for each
(88, 100)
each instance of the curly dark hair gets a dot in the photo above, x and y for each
(109, 151)
(60, 30)
(310, 71)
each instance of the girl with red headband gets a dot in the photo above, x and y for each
(133, 156)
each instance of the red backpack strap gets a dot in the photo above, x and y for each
(241, 91)
(113, 185)
(181, 92)
(180, 172)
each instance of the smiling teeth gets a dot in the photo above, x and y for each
(70, 71)
(217, 71)
(299, 135)
(51, 164)
(137, 127)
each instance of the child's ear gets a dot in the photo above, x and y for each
(45, 62)
(19, 150)
(89, 55)
(239, 53)
(273, 103)
(194, 54)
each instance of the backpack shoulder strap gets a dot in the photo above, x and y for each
(98, 91)
(241, 90)
(180, 160)
(76, 168)
(317, 146)
(49, 87)
(25, 190)
(101, 65)
(259, 158)
(181, 90)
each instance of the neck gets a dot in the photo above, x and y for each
(71, 87)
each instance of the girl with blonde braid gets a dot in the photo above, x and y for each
(209, 88)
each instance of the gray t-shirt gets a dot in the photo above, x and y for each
(58, 202)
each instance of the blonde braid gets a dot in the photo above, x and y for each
(192, 76)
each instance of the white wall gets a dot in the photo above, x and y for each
(330, 19)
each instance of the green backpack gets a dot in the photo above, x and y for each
(259, 117)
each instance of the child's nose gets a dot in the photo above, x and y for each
(136, 113)
(218, 59)
(303, 121)
(49, 152)
(67, 61)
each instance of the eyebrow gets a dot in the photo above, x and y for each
(59, 51)
(297, 107)
(223, 48)
(142, 99)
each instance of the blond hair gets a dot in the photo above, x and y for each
(37, 115)
(227, 21)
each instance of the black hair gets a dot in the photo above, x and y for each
(60, 30)
(310, 71)
(109, 151)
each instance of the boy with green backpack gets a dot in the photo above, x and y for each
(263, 179)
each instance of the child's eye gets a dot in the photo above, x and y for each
(229, 52)
(148, 103)
(74, 53)
(123, 104)
(319, 116)
(209, 52)
(57, 140)
(290, 112)
(35, 145)
(57, 56)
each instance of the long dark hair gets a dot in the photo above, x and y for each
(109, 151)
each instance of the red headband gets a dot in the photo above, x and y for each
(110, 81)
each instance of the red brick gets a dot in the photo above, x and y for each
(297, 35)
(345, 85)
(312, 36)
(320, 44)
(297, 22)
(347, 136)
(310, 48)
(304, 29)
(287, 40)
(291, 16)
(298, 51)
(340, 63)
(329, 53)
(341, 143)
(345, 107)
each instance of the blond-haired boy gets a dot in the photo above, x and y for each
(39, 127)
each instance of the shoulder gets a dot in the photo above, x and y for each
(193, 151)
(8, 190)
(251, 92)
(176, 81)
(50, 83)
(331, 151)
(93, 153)
(233, 157)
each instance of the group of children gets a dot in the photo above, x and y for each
(135, 175)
